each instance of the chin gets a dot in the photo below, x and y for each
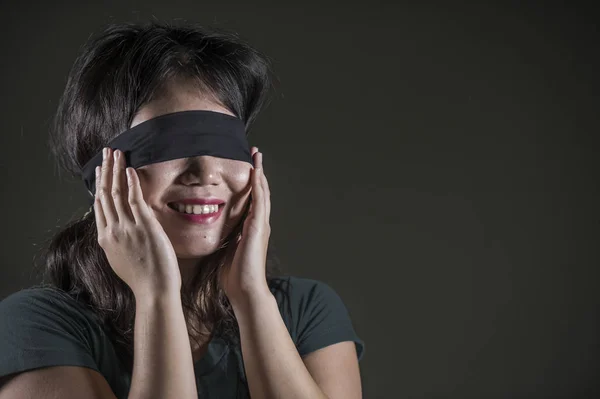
(193, 250)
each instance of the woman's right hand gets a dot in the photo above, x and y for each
(135, 243)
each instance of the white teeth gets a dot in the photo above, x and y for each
(196, 209)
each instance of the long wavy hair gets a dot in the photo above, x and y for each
(117, 71)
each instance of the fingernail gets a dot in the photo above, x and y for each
(104, 151)
(116, 154)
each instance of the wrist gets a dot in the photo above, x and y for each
(151, 299)
(250, 298)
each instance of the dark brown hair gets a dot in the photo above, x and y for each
(116, 72)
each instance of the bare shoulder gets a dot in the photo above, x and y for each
(67, 382)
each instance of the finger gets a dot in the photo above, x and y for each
(253, 151)
(266, 189)
(258, 203)
(119, 188)
(104, 190)
(98, 212)
(138, 206)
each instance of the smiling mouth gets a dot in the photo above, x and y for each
(200, 218)
(194, 209)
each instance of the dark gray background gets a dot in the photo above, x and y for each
(436, 165)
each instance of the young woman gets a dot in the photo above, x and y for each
(168, 288)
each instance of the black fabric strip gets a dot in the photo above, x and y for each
(177, 135)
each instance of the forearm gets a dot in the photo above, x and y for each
(163, 365)
(274, 369)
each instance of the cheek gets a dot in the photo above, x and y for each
(149, 185)
(144, 184)
(240, 186)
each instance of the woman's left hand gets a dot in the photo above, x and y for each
(246, 274)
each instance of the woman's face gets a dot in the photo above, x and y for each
(195, 177)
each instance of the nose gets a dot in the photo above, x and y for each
(202, 170)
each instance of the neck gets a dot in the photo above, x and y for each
(188, 268)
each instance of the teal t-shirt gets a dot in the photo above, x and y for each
(42, 326)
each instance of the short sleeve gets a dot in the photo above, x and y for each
(39, 328)
(316, 316)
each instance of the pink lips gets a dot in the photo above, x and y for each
(201, 219)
